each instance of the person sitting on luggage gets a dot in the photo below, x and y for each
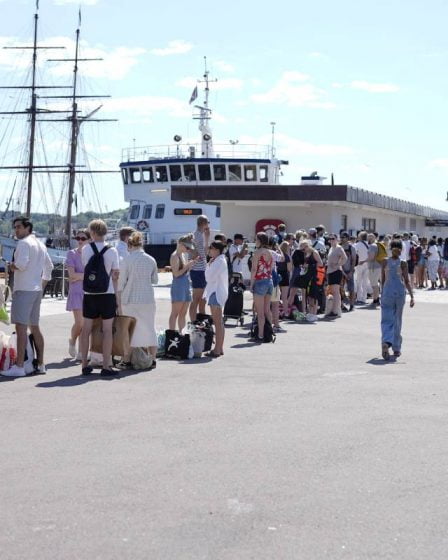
(181, 287)
(216, 292)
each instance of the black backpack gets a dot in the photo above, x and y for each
(96, 279)
(268, 334)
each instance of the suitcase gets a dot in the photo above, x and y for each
(233, 308)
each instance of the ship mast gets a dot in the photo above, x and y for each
(33, 111)
(205, 114)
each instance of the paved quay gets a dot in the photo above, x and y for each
(311, 448)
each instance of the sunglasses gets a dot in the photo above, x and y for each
(81, 238)
(332, 239)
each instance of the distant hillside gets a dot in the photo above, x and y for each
(46, 223)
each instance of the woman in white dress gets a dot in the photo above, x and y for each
(138, 273)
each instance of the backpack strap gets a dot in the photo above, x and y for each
(104, 249)
(94, 248)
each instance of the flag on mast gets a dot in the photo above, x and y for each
(194, 95)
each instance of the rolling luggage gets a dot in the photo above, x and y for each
(233, 309)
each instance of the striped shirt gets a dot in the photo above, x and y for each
(199, 242)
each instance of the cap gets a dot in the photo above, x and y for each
(312, 230)
(415, 238)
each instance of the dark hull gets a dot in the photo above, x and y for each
(161, 253)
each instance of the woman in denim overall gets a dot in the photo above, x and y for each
(394, 279)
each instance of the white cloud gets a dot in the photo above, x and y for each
(146, 106)
(295, 90)
(177, 46)
(115, 63)
(374, 87)
(226, 83)
(441, 163)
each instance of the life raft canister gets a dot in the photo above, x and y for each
(268, 225)
(142, 225)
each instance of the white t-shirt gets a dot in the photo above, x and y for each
(237, 262)
(362, 249)
(433, 253)
(406, 249)
(111, 260)
(122, 249)
(33, 263)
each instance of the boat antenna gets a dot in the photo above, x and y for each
(205, 115)
(273, 139)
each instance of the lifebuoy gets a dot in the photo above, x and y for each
(142, 225)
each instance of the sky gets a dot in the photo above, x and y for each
(356, 88)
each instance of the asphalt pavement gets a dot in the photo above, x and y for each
(307, 449)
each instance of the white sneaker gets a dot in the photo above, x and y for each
(71, 348)
(14, 371)
(41, 369)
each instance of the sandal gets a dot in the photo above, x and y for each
(212, 355)
(397, 353)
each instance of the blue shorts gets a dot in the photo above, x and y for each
(212, 299)
(180, 289)
(263, 287)
(198, 279)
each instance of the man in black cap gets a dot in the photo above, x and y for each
(237, 252)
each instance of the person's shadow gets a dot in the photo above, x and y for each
(76, 380)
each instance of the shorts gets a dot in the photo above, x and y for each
(180, 289)
(96, 306)
(411, 266)
(374, 276)
(263, 287)
(25, 308)
(334, 277)
(212, 299)
(198, 279)
(284, 278)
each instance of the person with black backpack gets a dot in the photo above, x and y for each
(101, 271)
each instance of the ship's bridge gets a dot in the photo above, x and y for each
(201, 170)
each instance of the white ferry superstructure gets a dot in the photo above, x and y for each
(148, 174)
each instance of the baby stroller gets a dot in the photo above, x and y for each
(233, 308)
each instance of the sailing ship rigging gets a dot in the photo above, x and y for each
(31, 168)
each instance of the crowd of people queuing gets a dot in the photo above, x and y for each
(297, 275)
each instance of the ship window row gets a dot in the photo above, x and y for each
(134, 213)
(196, 172)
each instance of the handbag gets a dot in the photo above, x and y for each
(122, 331)
(141, 359)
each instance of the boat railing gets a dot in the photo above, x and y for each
(189, 151)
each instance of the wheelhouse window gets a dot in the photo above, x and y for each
(263, 170)
(136, 175)
(161, 174)
(124, 174)
(218, 212)
(344, 221)
(235, 173)
(135, 211)
(148, 175)
(175, 173)
(147, 211)
(160, 211)
(204, 172)
(190, 172)
(219, 171)
(250, 173)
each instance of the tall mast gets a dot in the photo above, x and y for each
(33, 112)
(205, 115)
(73, 144)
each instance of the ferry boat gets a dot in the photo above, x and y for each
(149, 173)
